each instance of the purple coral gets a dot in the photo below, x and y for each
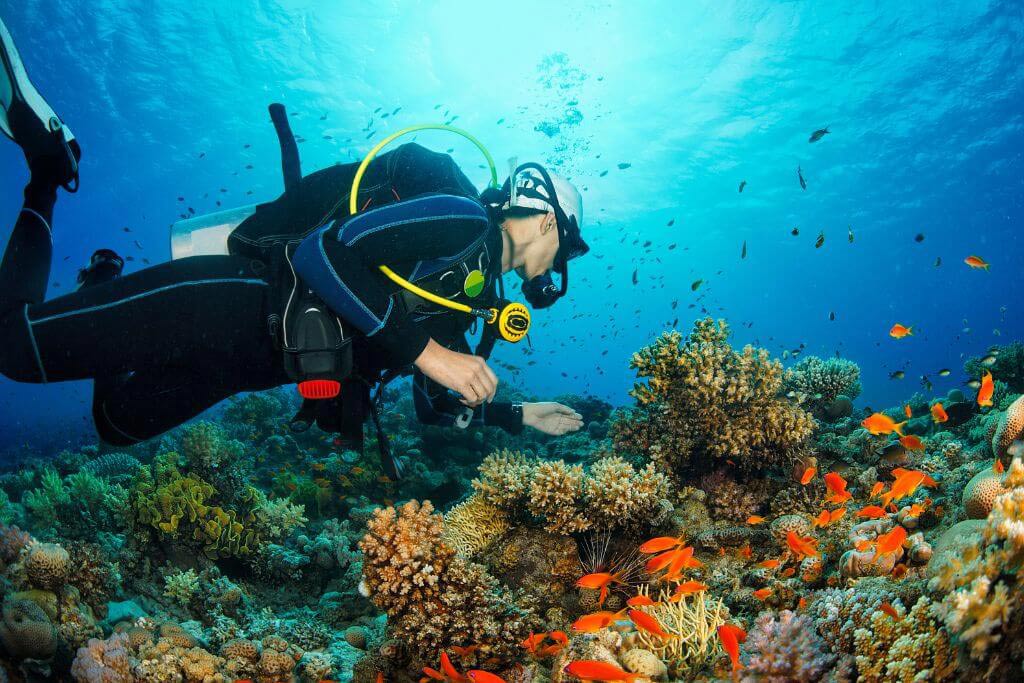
(786, 649)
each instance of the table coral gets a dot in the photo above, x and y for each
(433, 598)
(703, 397)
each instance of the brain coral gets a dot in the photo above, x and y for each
(433, 598)
(980, 493)
(702, 398)
(47, 566)
(25, 631)
(1009, 429)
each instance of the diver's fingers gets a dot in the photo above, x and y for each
(490, 379)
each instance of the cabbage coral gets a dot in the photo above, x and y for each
(702, 398)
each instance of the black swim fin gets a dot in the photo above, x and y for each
(28, 120)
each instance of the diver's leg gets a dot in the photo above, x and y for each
(206, 308)
(141, 406)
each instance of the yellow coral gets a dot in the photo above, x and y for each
(693, 621)
(474, 525)
(554, 491)
(912, 648)
(984, 584)
(504, 478)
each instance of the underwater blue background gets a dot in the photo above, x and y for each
(923, 101)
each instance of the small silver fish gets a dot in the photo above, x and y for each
(989, 361)
(974, 384)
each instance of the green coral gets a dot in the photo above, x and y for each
(80, 504)
(178, 506)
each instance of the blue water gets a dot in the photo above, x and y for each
(923, 102)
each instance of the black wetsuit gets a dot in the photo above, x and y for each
(167, 342)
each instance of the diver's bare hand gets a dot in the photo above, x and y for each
(465, 374)
(551, 418)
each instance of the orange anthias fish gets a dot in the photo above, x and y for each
(939, 413)
(986, 390)
(599, 580)
(640, 601)
(465, 651)
(801, 547)
(998, 467)
(976, 262)
(479, 676)
(890, 542)
(746, 551)
(762, 593)
(731, 637)
(788, 572)
(659, 562)
(877, 488)
(592, 670)
(808, 474)
(449, 670)
(907, 411)
(898, 331)
(890, 610)
(836, 486)
(899, 571)
(591, 623)
(912, 443)
(533, 642)
(687, 588)
(879, 423)
(906, 483)
(646, 622)
(769, 564)
(836, 515)
(659, 544)
(822, 519)
(684, 560)
(380, 677)
(754, 519)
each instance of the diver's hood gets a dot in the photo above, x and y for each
(207, 235)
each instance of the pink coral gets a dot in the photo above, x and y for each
(786, 649)
(104, 661)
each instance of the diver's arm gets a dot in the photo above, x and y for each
(435, 405)
(340, 262)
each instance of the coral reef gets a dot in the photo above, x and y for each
(233, 548)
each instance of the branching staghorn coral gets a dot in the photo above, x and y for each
(611, 493)
(433, 598)
(693, 621)
(703, 398)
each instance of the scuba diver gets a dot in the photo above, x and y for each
(334, 286)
